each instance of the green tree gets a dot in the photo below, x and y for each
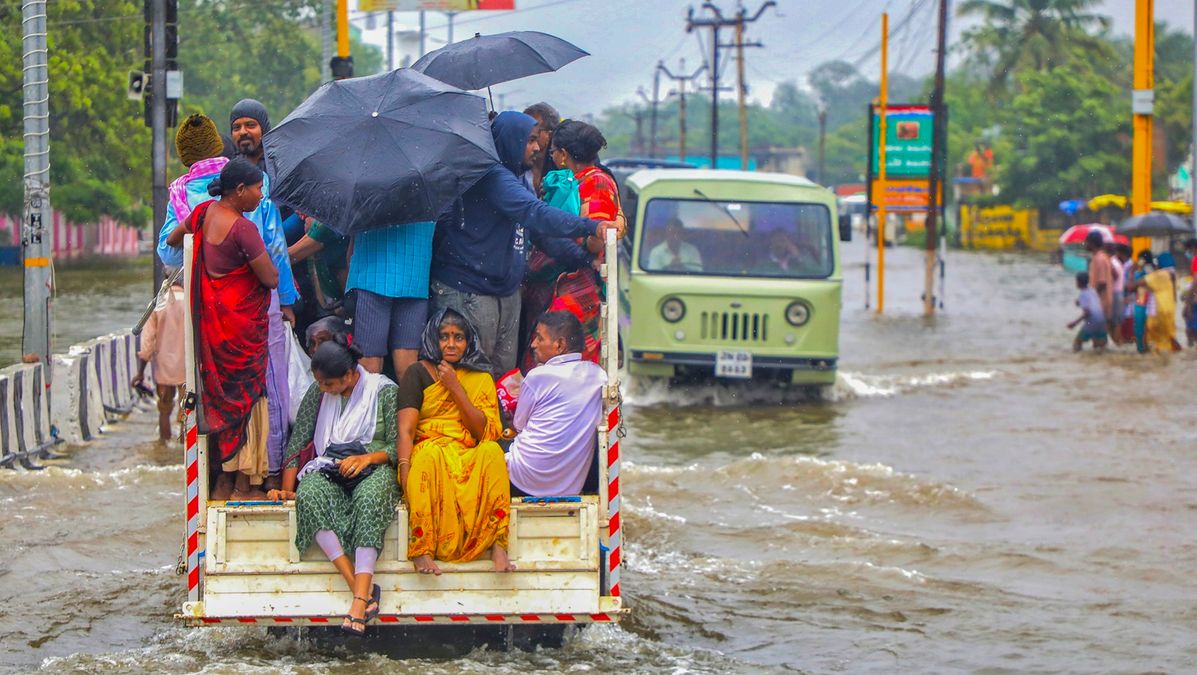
(1016, 35)
(94, 129)
(1066, 135)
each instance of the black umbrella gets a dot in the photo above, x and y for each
(484, 60)
(1155, 224)
(388, 149)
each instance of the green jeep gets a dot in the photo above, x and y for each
(730, 274)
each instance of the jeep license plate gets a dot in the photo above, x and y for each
(734, 364)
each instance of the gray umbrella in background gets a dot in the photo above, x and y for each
(1155, 224)
(370, 152)
(483, 60)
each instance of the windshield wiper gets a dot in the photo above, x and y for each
(727, 212)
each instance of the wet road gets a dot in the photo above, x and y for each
(970, 496)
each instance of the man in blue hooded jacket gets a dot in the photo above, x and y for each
(478, 250)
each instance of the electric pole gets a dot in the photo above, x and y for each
(637, 116)
(158, 150)
(37, 246)
(681, 95)
(653, 103)
(390, 40)
(822, 140)
(719, 21)
(937, 152)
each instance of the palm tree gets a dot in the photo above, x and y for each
(1035, 34)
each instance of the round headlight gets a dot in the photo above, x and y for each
(797, 313)
(672, 310)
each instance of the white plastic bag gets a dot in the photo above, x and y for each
(299, 373)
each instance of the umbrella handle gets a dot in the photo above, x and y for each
(491, 96)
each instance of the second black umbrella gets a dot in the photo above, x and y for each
(483, 60)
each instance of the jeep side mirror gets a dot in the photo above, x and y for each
(845, 227)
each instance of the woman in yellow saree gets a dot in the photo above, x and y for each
(1161, 325)
(454, 475)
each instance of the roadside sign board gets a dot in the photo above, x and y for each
(907, 140)
(433, 5)
(903, 195)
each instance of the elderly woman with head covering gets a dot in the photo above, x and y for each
(453, 473)
(342, 455)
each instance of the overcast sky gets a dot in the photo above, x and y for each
(626, 38)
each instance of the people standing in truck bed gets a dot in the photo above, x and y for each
(453, 473)
(342, 453)
(231, 298)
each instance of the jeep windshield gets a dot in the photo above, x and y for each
(734, 238)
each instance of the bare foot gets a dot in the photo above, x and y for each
(502, 563)
(223, 488)
(251, 495)
(424, 565)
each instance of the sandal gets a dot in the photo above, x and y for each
(354, 621)
(376, 600)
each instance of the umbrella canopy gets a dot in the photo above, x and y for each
(1078, 233)
(1155, 224)
(376, 151)
(483, 60)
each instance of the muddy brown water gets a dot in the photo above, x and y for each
(971, 496)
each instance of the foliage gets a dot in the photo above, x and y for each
(1066, 135)
(1018, 35)
(99, 144)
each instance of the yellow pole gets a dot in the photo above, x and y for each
(1143, 85)
(343, 28)
(880, 182)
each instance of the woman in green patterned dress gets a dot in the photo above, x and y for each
(347, 490)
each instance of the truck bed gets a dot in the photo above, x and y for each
(252, 572)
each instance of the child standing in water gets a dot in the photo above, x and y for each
(1094, 319)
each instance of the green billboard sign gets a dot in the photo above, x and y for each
(907, 141)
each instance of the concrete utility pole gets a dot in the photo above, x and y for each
(681, 103)
(449, 16)
(637, 116)
(720, 21)
(158, 121)
(325, 39)
(423, 33)
(937, 151)
(37, 245)
(654, 103)
(822, 141)
(390, 40)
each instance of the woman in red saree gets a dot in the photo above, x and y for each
(231, 283)
(563, 272)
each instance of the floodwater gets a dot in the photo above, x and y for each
(971, 496)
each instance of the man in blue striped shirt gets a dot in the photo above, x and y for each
(388, 274)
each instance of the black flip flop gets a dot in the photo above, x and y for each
(354, 621)
(376, 599)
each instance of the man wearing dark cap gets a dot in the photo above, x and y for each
(247, 122)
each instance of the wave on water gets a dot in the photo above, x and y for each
(841, 481)
(57, 476)
(850, 385)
